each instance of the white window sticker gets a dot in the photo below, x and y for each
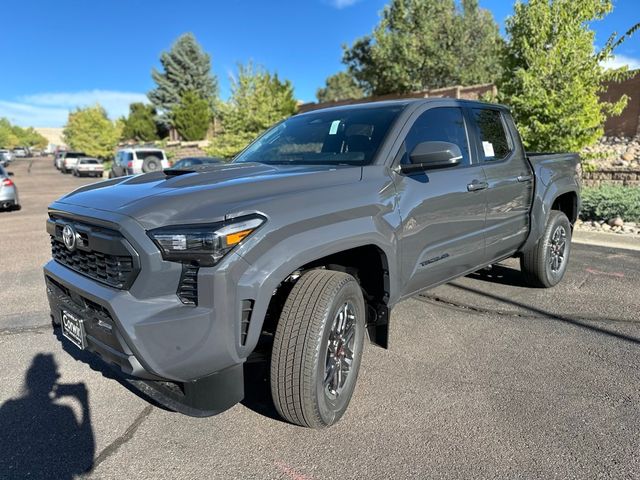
(334, 127)
(488, 149)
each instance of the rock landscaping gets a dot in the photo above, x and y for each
(616, 225)
(614, 152)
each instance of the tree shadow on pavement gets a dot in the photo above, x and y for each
(581, 323)
(41, 438)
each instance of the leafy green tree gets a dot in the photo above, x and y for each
(341, 86)
(29, 137)
(553, 74)
(186, 68)
(14, 136)
(90, 130)
(424, 44)
(8, 138)
(140, 125)
(258, 100)
(192, 116)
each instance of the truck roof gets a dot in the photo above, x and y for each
(404, 102)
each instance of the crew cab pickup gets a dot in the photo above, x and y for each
(301, 245)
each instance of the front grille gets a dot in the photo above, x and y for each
(188, 287)
(110, 269)
(101, 254)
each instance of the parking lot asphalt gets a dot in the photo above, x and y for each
(484, 378)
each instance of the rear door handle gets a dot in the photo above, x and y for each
(476, 185)
(524, 178)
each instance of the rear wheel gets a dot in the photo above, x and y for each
(317, 348)
(546, 263)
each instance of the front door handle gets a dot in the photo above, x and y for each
(476, 185)
(524, 178)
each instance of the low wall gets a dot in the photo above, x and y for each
(178, 150)
(627, 177)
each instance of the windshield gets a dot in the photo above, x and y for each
(349, 136)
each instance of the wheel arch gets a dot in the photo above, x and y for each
(368, 262)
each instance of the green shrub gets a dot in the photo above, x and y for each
(610, 201)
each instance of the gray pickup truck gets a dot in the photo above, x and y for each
(302, 245)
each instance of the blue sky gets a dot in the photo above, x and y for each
(56, 56)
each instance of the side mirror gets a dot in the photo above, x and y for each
(432, 155)
(10, 174)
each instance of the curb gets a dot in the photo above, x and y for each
(612, 240)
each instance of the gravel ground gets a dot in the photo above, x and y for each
(484, 378)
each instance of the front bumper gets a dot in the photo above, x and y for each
(148, 333)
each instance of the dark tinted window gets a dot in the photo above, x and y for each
(495, 142)
(142, 154)
(348, 136)
(444, 124)
(75, 154)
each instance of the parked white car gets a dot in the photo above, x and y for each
(131, 161)
(89, 167)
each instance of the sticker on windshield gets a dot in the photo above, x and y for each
(334, 127)
(488, 149)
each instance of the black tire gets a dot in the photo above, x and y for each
(111, 174)
(151, 164)
(303, 390)
(546, 263)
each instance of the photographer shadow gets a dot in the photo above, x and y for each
(40, 438)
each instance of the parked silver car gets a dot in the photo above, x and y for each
(5, 158)
(8, 191)
(90, 167)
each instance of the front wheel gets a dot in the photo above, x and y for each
(546, 263)
(317, 348)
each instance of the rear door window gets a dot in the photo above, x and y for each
(495, 142)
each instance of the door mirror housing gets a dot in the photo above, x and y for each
(432, 155)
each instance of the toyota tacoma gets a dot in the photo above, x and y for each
(304, 243)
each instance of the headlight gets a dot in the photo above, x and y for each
(203, 244)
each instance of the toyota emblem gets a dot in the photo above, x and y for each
(69, 237)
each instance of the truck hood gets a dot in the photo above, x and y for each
(207, 195)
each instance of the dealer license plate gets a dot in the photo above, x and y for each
(73, 329)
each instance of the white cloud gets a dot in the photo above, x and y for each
(51, 109)
(30, 115)
(340, 4)
(620, 60)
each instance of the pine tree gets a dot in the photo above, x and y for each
(140, 124)
(186, 68)
(424, 44)
(192, 116)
